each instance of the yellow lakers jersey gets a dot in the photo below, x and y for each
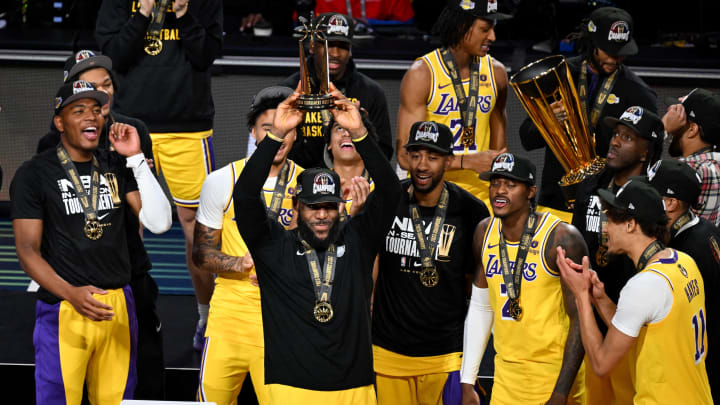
(235, 300)
(529, 349)
(670, 365)
(442, 106)
(349, 201)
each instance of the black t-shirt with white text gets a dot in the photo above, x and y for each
(42, 190)
(411, 319)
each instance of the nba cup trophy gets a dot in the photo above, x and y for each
(313, 31)
(542, 83)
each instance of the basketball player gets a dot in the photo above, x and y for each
(536, 332)
(660, 319)
(234, 335)
(421, 291)
(460, 85)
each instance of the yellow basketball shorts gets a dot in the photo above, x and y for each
(285, 395)
(225, 364)
(71, 349)
(184, 159)
(429, 389)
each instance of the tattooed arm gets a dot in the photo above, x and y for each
(571, 240)
(206, 252)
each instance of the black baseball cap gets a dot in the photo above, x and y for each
(611, 30)
(638, 198)
(84, 60)
(77, 90)
(319, 185)
(675, 178)
(644, 122)
(703, 108)
(340, 27)
(513, 167)
(432, 135)
(485, 9)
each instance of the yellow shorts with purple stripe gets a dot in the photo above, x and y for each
(184, 159)
(71, 349)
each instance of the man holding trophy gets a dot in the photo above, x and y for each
(162, 52)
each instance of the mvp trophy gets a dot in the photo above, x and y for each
(320, 100)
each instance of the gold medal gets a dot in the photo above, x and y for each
(93, 230)
(323, 311)
(601, 257)
(468, 136)
(153, 45)
(429, 277)
(515, 309)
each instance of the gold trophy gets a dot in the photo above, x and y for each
(313, 31)
(538, 85)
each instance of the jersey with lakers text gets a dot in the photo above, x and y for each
(529, 349)
(442, 106)
(677, 375)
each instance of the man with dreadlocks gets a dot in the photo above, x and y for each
(635, 145)
(606, 88)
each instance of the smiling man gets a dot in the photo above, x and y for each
(460, 85)
(356, 86)
(518, 294)
(316, 281)
(69, 219)
(424, 271)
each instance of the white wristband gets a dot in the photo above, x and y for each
(155, 212)
(134, 161)
(478, 324)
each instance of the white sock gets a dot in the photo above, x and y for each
(203, 310)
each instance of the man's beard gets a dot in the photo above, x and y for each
(675, 150)
(316, 243)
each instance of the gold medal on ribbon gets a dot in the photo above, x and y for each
(601, 257)
(468, 136)
(153, 45)
(429, 277)
(515, 309)
(93, 230)
(323, 311)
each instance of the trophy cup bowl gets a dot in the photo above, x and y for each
(320, 99)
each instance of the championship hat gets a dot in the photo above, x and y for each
(431, 135)
(513, 167)
(318, 185)
(675, 178)
(638, 198)
(84, 60)
(339, 27)
(77, 90)
(644, 122)
(611, 30)
(485, 9)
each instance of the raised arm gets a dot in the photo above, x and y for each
(569, 238)
(478, 322)
(414, 92)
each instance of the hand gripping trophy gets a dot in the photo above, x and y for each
(313, 30)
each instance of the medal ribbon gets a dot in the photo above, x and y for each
(605, 89)
(88, 203)
(513, 277)
(427, 246)
(649, 252)
(321, 282)
(279, 192)
(466, 105)
(157, 18)
(681, 221)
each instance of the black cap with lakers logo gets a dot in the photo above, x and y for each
(513, 167)
(77, 90)
(611, 30)
(319, 185)
(485, 9)
(432, 135)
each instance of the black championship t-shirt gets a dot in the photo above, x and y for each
(411, 319)
(42, 190)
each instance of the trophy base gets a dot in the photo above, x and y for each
(315, 102)
(569, 183)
